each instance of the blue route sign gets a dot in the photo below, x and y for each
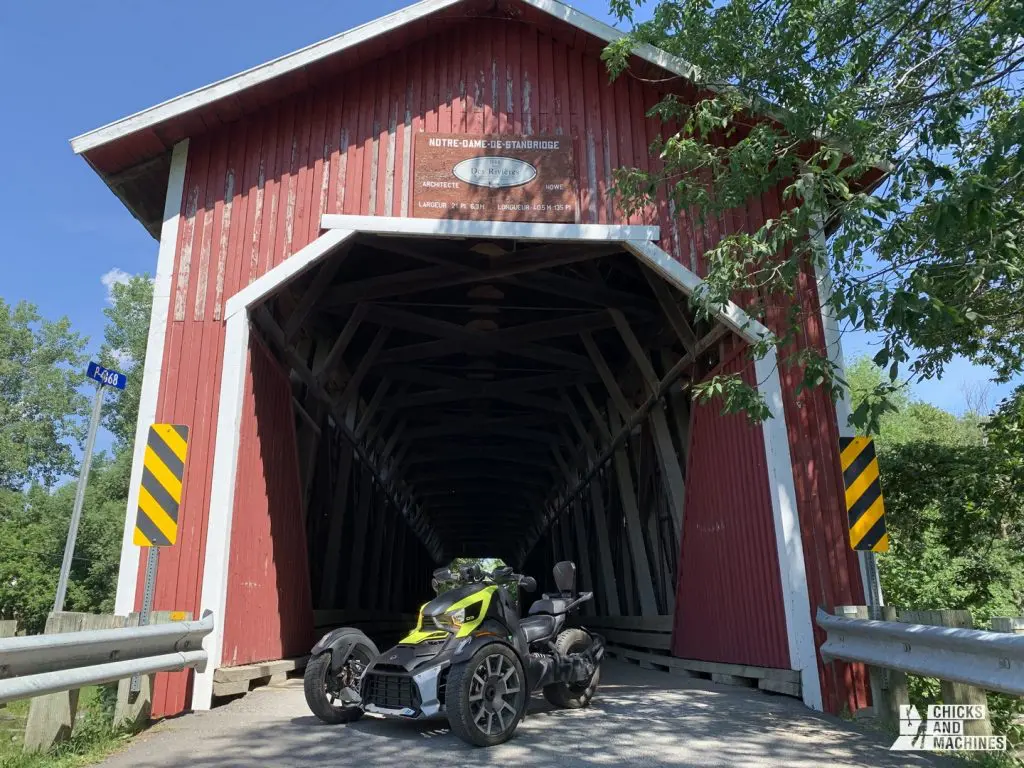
(106, 376)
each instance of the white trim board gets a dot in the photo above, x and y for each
(228, 438)
(127, 575)
(222, 500)
(303, 57)
(507, 230)
(688, 282)
(236, 344)
(796, 605)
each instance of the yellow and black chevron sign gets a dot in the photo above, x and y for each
(863, 494)
(163, 470)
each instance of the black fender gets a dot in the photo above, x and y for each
(464, 651)
(340, 643)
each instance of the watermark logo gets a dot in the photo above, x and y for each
(943, 731)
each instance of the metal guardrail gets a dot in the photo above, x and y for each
(990, 660)
(40, 664)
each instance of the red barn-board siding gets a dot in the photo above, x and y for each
(255, 189)
(269, 612)
(729, 594)
(833, 571)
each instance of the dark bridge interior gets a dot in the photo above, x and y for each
(502, 398)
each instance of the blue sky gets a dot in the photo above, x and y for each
(67, 69)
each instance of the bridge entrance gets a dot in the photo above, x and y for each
(403, 392)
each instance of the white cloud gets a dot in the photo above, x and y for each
(114, 277)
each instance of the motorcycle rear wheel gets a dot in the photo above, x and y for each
(334, 697)
(569, 695)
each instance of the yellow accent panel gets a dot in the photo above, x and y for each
(163, 475)
(882, 545)
(480, 597)
(415, 637)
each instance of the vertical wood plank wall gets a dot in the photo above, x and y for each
(255, 189)
(269, 614)
(729, 592)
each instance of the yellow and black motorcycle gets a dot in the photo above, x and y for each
(470, 657)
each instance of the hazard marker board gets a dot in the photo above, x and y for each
(156, 524)
(864, 505)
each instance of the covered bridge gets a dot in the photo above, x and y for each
(404, 319)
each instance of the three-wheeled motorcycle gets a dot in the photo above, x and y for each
(470, 656)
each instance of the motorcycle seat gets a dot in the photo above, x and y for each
(538, 627)
(550, 604)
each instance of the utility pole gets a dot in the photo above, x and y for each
(104, 377)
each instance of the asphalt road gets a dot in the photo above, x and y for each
(639, 717)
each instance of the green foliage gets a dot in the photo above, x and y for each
(899, 123)
(33, 529)
(40, 409)
(124, 349)
(34, 516)
(736, 396)
(94, 736)
(954, 505)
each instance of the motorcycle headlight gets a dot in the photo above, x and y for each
(451, 620)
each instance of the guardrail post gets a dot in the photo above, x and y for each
(888, 687)
(1013, 625)
(954, 693)
(132, 709)
(893, 682)
(51, 718)
(8, 628)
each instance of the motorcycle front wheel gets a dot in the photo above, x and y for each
(487, 696)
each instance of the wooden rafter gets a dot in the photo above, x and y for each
(432, 278)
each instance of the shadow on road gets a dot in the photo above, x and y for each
(639, 718)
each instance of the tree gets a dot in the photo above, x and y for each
(904, 420)
(954, 511)
(124, 349)
(34, 520)
(40, 407)
(33, 529)
(896, 127)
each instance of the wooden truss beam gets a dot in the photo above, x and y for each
(431, 278)
(509, 340)
(317, 288)
(638, 415)
(275, 336)
(341, 343)
(481, 454)
(671, 310)
(671, 470)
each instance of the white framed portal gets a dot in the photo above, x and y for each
(641, 242)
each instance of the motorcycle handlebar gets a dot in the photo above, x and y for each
(473, 573)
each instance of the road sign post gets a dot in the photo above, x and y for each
(156, 523)
(104, 377)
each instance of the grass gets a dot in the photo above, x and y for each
(92, 739)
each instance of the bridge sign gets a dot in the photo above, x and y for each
(106, 376)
